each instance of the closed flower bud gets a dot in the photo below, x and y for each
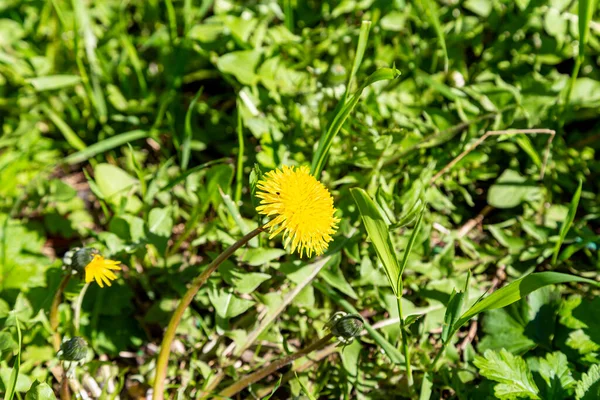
(345, 326)
(74, 349)
(78, 258)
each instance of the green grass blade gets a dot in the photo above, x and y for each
(14, 375)
(105, 145)
(568, 221)
(378, 232)
(68, 133)
(392, 352)
(187, 135)
(411, 243)
(517, 290)
(586, 12)
(326, 140)
(239, 174)
(83, 22)
(432, 13)
(363, 38)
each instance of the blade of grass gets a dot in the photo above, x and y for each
(105, 145)
(14, 375)
(83, 22)
(187, 136)
(517, 290)
(586, 12)
(363, 37)
(68, 133)
(239, 174)
(568, 221)
(320, 156)
(432, 13)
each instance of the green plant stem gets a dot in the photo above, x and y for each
(165, 347)
(405, 349)
(240, 161)
(54, 310)
(274, 366)
(78, 307)
(433, 365)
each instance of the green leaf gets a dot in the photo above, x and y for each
(187, 136)
(454, 309)
(11, 385)
(68, 133)
(379, 234)
(512, 374)
(40, 391)
(160, 227)
(588, 388)
(568, 221)
(554, 370)
(363, 38)
(333, 275)
(105, 145)
(242, 281)
(586, 13)
(516, 290)
(326, 140)
(432, 14)
(53, 82)
(113, 182)
(511, 189)
(226, 304)
(522, 325)
(241, 64)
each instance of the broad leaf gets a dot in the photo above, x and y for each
(512, 374)
(379, 234)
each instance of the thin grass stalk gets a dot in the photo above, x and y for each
(54, 311)
(165, 347)
(274, 366)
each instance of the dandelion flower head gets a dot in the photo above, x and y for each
(299, 206)
(101, 270)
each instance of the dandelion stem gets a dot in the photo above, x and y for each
(78, 307)
(165, 347)
(272, 367)
(54, 310)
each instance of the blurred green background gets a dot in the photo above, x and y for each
(134, 126)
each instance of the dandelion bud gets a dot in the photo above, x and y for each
(345, 326)
(78, 258)
(74, 349)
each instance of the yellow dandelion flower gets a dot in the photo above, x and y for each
(101, 270)
(300, 206)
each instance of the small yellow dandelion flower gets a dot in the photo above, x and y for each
(100, 270)
(301, 207)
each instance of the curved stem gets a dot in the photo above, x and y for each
(165, 347)
(54, 310)
(78, 307)
(274, 366)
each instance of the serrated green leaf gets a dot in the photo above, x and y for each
(588, 388)
(511, 372)
(555, 372)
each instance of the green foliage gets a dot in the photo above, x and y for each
(141, 129)
(511, 372)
